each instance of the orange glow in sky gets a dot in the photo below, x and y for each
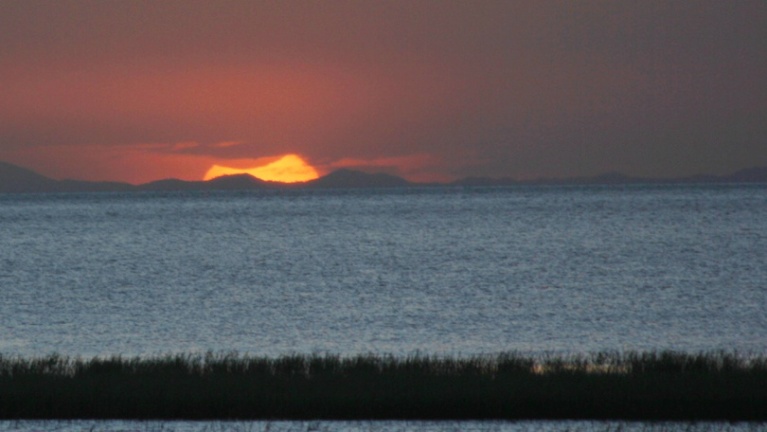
(288, 169)
(430, 90)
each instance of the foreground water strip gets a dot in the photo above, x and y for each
(627, 386)
(372, 426)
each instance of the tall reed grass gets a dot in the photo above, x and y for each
(631, 386)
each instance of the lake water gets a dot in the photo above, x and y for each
(444, 271)
(374, 426)
(539, 269)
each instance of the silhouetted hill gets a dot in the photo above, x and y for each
(749, 175)
(346, 178)
(238, 181)
(228, 182)
(14, 179)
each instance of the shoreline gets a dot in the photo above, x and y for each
(650, 386)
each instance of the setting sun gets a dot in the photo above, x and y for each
(288, 169)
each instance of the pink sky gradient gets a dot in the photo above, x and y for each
(430, 90)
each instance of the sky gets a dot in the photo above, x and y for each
(137, 91)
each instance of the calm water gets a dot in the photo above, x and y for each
(375, 426)
(441, 271)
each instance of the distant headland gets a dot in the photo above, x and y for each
(16, 179)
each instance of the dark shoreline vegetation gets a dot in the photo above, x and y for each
(614, 386)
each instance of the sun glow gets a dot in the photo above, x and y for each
(288, 169)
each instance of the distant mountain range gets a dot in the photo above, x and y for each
(15, 179)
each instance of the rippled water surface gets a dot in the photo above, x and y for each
(374, 426)
(446, 271)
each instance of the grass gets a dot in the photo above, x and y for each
(621, 386)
